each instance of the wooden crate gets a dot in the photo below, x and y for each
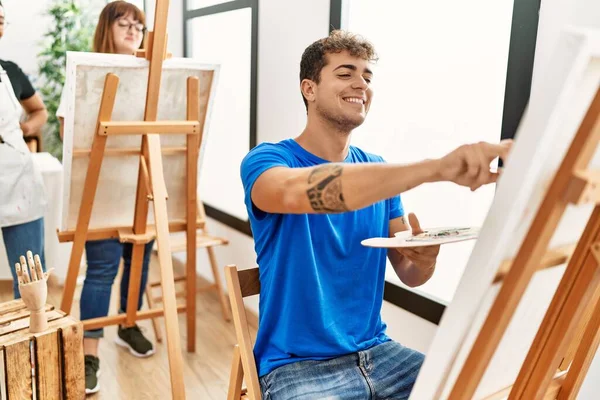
(46, 365)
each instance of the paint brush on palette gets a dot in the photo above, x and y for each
(429, 237)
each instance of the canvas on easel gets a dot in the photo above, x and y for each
(496, 339)
(115, 197)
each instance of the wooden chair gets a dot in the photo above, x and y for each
(242, 284)
(178, 244)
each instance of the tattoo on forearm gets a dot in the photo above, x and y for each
(325, 194)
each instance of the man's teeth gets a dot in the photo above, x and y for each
(354, 100)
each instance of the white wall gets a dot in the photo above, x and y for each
(22, 37)
(285, 30)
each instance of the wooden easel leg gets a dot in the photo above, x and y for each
(152, 152)
(190, 296)
(586, 351)
(135, 279)
(155, 326)
(236, 376)
(564, 315)
(576, 342)
(166, 267)
(193, 149)
(91, 183)
(215, 270)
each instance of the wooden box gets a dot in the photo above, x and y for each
(46, 365)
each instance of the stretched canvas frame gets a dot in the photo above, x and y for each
(560, 99)
(114, 203)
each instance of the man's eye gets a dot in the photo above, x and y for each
(368, 80)
(344, 75)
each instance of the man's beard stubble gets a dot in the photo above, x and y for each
(339, 122)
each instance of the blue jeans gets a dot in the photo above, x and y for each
(385, 371)
(103, 258)
(18, 239)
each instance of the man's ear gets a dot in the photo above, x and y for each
(309, 89)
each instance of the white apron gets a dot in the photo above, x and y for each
(22, 196)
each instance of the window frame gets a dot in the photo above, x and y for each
(222, 216)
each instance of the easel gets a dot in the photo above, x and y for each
(206, 241)
(570, 332)
(150, 187)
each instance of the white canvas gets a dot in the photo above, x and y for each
(559, 100)
(115, 197)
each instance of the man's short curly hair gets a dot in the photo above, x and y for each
(313, 58)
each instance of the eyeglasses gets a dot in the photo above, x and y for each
(139, 27)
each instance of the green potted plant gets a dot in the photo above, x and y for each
(70, 30)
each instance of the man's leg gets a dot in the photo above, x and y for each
(339, 378)
(392, 369)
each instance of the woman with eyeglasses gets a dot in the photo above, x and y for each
(120, 30)
(22, 198)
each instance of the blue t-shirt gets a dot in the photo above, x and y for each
(321, 290)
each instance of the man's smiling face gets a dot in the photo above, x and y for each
(343, 94)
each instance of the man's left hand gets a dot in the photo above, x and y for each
(424, 257)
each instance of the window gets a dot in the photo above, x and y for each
(139, 3)
(232, 124)
(440, 82)
(196, 4)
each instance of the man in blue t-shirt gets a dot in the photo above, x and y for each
(311, 201)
